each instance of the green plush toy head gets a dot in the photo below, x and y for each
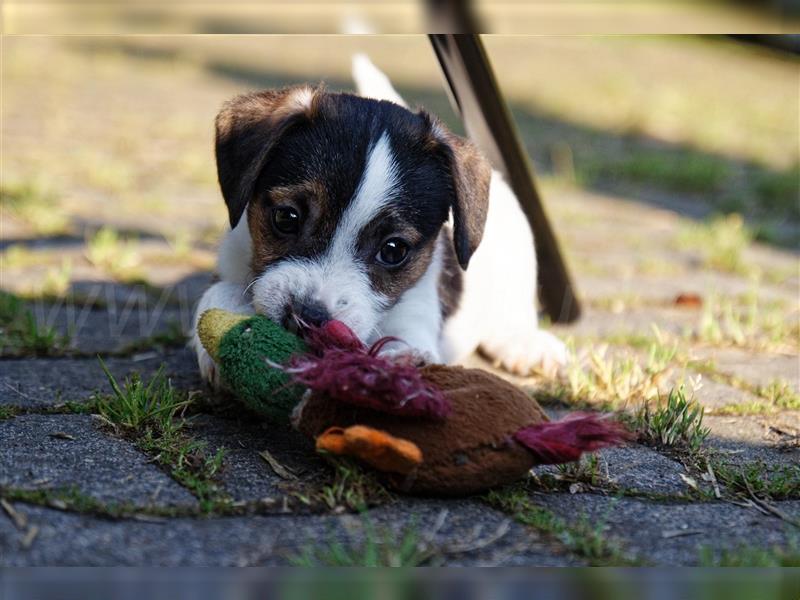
(239, 344)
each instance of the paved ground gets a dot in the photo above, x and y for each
(669, 299)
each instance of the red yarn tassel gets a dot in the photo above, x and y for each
(346, 370)
(565, 440)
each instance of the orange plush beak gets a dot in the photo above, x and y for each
(376, 448)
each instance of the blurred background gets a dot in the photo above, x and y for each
(108, 166)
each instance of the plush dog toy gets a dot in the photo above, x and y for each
(434, 430)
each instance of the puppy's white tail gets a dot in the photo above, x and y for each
(371, 82)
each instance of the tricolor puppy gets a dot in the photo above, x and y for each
(355, 208)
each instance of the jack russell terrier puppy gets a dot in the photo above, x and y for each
(358, 209)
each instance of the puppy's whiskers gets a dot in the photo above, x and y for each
(249, 285)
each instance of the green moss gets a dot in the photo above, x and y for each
(752, 556)
(72, 499)
(383, 548)
(765, 481)
(584, 538)
(7, 412)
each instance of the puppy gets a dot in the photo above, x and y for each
(355, 208)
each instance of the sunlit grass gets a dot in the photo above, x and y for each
(37, 206)
(720, 242)
(748, 324)
(119, 257)
(615, 380)
(677, 423)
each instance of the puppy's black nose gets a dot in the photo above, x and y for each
(309, 312)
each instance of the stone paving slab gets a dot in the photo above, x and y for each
(106, 331)
(714, 395)
(634, 467)
(35, 454)
(600, 324)
(43, 382)
(756, 368)
(662, 290)
(640, 469)
(72, 539)
(673, 534)
(246, 475)
(774, 439)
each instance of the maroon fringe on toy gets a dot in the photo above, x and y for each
(346, 370)
(564, 441)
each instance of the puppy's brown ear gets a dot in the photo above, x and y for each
(471, 173)
(247, 129)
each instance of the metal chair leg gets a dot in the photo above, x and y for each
(476, 98)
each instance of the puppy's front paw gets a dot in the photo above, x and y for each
(208, 368)
(521, 354)
(410, 355)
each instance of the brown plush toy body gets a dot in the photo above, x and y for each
(473, 449)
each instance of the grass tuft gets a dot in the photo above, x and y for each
(775, 483)
(136, 406)
(746, 324)
(612, 382)
(149, 414)
(35, 206)
(20, 334)
(721, 243)
(676, 424)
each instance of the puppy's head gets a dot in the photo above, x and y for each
(344, 198)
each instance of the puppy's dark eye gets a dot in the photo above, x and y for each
(393, 252)
(286, 220)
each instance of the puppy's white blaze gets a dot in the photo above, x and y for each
(379, 185)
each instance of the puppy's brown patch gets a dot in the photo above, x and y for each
(451, 279)
(308, 198)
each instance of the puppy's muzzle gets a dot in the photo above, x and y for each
(305, 313)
